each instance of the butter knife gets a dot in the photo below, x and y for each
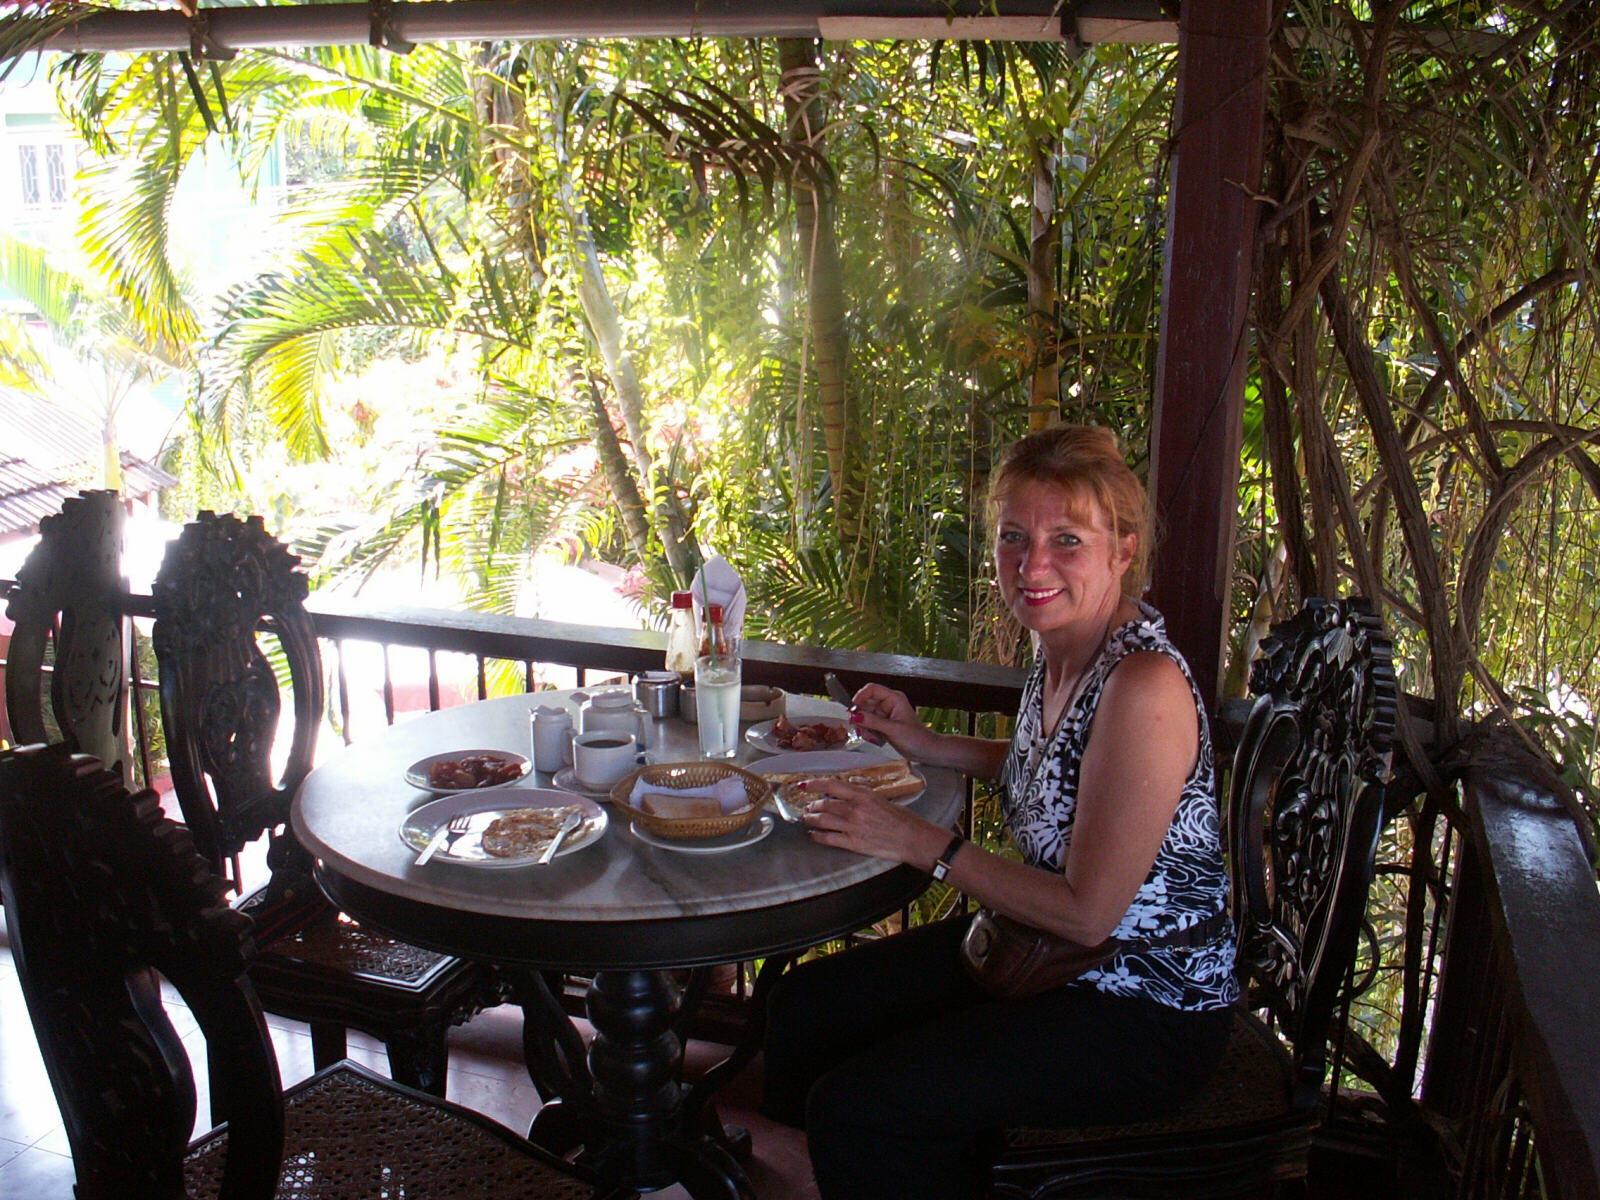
(837, 690)
(782, 805)
(574, 819)
(434, 842)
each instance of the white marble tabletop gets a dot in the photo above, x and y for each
(349, 811)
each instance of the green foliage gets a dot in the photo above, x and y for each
(1570, 736)
(459, 196)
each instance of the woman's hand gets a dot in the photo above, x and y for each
(856, 818)
(890, 713)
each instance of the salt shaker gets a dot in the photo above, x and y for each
(552, 738)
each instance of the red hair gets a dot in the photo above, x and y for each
(1086, 463)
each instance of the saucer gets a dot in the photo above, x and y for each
(748, 836)
(567, 780)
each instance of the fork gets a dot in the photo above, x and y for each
(457, 825)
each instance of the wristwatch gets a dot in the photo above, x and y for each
(941, 866)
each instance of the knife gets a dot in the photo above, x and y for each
(840, 693)
(574, 819)
(434, 842)
(837, 690)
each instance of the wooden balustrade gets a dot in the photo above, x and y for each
(930, 682)
(1513, 1065)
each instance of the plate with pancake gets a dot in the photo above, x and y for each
(875, 767)
(507, 827)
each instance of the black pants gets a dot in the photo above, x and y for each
(900, 1069)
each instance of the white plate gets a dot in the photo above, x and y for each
(829, 760)
(467, 849)
(417, 772)
(760, 736)
(748, 836)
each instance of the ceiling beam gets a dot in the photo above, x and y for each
(221, 30)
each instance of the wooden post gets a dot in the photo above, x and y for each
(1199, 395)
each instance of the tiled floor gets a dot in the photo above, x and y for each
(486, 1073)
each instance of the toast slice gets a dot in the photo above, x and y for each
(664, 804)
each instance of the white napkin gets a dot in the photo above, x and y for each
(716, 582)
(728, 792)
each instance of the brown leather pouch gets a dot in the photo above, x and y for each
(1011, 960)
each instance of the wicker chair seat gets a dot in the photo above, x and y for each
(105, 900)
(337, 944)
(349, 1133)
(1251, 1086)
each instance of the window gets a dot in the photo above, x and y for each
(55, 161)
(43, 170)
(30, 173)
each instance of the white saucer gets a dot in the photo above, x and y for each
(567, 780)
(748, 836)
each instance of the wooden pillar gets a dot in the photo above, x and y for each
(1199, 395)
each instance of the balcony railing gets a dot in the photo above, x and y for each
(1512, 1077)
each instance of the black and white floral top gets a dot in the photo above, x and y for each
(1187, 883)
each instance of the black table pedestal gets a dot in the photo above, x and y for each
(640, 1134)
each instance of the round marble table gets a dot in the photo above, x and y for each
(619, 908)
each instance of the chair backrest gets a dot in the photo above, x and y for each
(70, 599)
(222, 578)
(1305, 812)
(101, 891)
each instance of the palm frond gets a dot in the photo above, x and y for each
(26, 271)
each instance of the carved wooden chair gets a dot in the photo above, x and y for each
(66, 664)
(221, 579)
(1304, 812)
(102, 893)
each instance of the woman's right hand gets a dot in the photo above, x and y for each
(892, 716)
(888, 712)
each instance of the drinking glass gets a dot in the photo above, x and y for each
(716, 687)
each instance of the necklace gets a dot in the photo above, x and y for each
(1067, 696)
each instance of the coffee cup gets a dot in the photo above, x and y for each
(600, 757)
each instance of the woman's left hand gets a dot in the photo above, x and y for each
(856, 818)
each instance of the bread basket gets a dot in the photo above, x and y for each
(669, 777)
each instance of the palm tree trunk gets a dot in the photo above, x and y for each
(619, 478)
(605, 326)
(1044, 392)
(825, 302)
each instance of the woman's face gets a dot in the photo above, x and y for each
(1060, 565)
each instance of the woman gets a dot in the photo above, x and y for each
(893, 1060)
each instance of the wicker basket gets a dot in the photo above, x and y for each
(668, 777)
